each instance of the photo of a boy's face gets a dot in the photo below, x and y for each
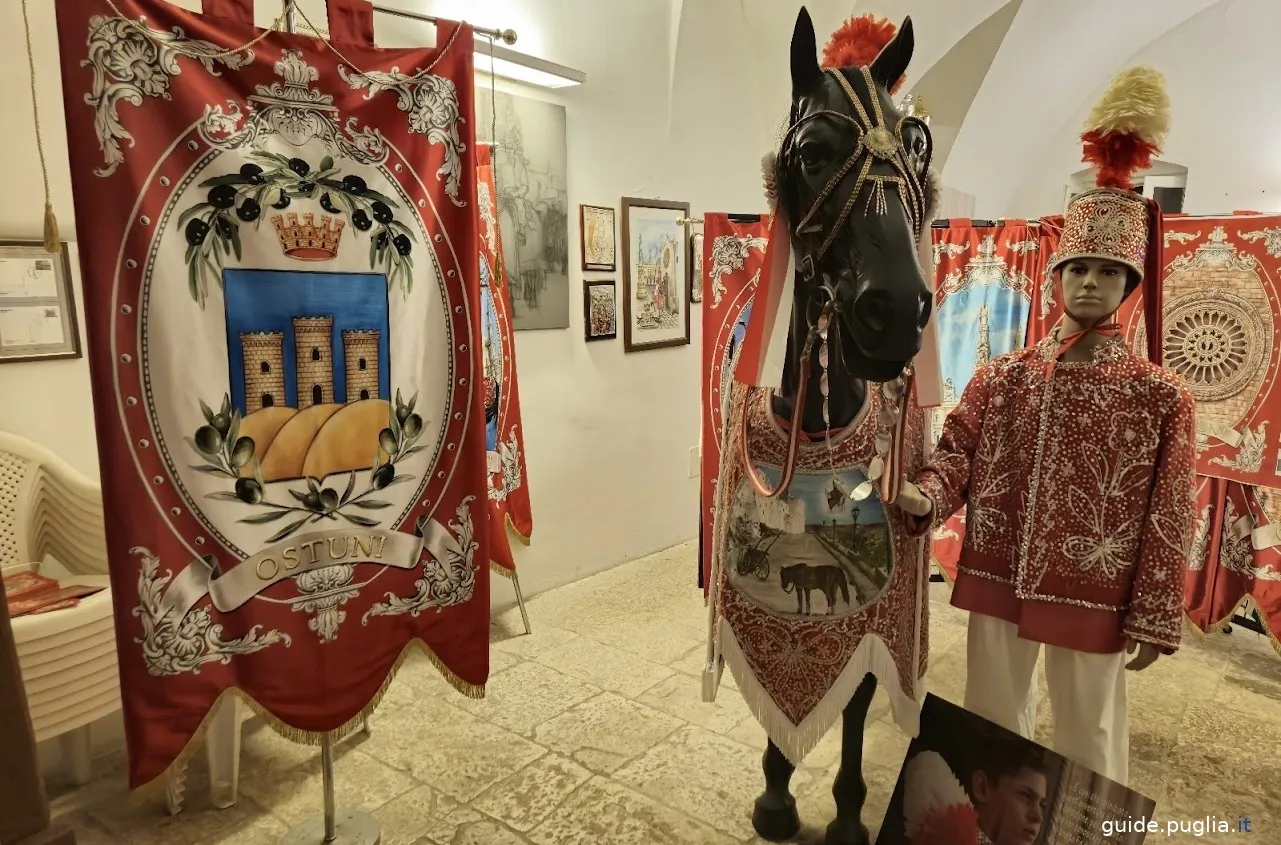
(1011, 806)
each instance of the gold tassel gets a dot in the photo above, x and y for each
(52, 243)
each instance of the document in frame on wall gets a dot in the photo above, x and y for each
(37, 306)
(967, 780)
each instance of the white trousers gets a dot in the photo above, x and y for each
(1087, 694)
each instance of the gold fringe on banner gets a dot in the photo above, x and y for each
(1217, 627)
(160, 784)
(524, 541)
(498, 569)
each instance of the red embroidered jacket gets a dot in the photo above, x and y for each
(1078, 480)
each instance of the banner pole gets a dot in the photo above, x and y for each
(356, 828)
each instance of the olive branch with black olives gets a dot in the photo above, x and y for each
(226, 454)
(212, 227)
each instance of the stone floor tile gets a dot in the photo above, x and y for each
(450, 749)
(604, 666)
(533, 794)
(682, 697)
(604, 812)
(706, 776)
(527, 695)
(605, 732)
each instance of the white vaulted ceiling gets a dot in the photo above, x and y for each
(1003, 78)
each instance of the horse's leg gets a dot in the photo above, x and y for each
(849, 790)
(774, 816)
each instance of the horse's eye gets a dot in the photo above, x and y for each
(812, 155)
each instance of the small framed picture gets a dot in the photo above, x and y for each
(696, 267)
(655, 279)
(596, 229)
(37, 305)
(600, 310)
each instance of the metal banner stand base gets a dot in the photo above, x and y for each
(341, 827)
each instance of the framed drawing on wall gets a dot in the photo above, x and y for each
(596, 231)
(696, 267)
(655, 279)
(600, 310)
(37, 305)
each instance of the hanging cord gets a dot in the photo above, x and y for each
(278, 25)
(52, 242)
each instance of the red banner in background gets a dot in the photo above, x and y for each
(1222, 337)
(504, 434)
(733, 257)
(1222, 315)
(278, 247)
(984, 281)
(1047, 302)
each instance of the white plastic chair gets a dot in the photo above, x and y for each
(51, 521)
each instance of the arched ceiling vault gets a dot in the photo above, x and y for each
(1055, 56)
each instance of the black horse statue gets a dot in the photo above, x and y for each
(852, 176)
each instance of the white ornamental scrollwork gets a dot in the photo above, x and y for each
(1271, 239)
(729, 253)
(323, 593)
(131, 61)
(449, 577)
(432, 105)
(174, 644)
(296, 112)
(485, 201)
(509, 461)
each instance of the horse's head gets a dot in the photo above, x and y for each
(852, 177)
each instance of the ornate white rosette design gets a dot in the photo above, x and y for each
(131, 61)
(449, 573)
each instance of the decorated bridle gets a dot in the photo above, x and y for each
(876, 143)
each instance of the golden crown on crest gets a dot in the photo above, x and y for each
(301, 238)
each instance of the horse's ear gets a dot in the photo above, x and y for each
(891, 63)
(805, 70)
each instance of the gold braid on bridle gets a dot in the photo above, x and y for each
(876, 142)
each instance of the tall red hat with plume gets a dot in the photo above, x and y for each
(1125, 129)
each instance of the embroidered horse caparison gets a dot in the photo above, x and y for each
(817, 591)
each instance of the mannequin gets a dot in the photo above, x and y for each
(1075, 460)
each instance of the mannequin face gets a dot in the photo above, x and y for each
(1093, 287)
(1011, 808)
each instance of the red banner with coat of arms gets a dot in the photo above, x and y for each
(504, 435)
(733, 257)
(278, 246)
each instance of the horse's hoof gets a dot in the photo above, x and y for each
(775, 819)
(847, 833)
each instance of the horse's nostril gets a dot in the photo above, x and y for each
(873, 310)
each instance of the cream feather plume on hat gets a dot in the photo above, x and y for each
(1127, 126)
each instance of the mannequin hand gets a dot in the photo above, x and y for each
(1148, 654)
(913, 501)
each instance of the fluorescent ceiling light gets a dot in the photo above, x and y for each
(510, 64)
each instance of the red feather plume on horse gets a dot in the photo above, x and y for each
(858, 41)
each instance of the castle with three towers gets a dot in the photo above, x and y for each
(264, 365)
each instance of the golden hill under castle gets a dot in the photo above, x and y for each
(318, 434)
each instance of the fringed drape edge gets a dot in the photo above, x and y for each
(511, 526)
(796, 741)
(159, 785)
(498, 569)
(1217, 626)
